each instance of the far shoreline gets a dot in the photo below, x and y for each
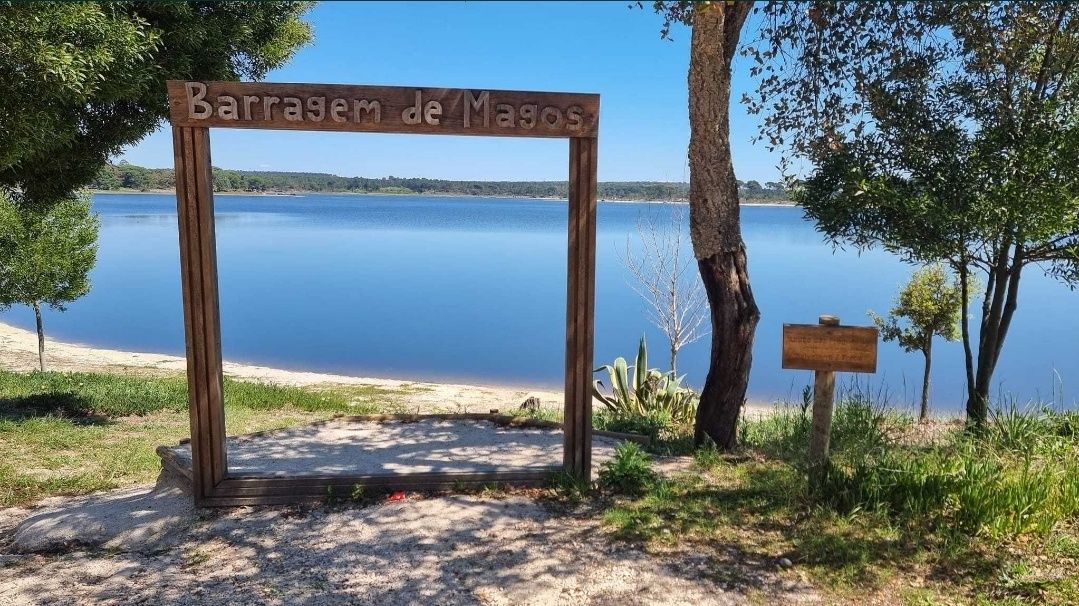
(754, 202)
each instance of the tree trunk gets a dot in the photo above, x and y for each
(674, 359)
(1001, 301)
(40, 336)
(923, 413)
(714, 220)
(964, 292)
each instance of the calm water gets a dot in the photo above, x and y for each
(473, 289)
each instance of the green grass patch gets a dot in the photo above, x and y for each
(907, 513)
(74, 433)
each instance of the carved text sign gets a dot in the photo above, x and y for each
(383, 109)
(833, 348)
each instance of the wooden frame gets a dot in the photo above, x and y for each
(197, 106)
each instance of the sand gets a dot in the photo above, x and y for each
(394, 447)
(18, 351)
(454, 550)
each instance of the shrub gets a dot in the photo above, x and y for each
(629, 471)
(655, 425)
(1019, 476)
(645, 392)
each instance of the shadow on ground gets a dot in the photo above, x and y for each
(446, 550)
(68, 405)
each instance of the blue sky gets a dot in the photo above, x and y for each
(599, 47)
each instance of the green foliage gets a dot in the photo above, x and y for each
(1020, 475)
(46, 255)
(862, 422)
(988, 517)
(129, 176)
(629, 471)
(654, 424)
(928, 305)
(969, 486)
(569, 488)
(645, 393)
(944, 131)
(83, 79)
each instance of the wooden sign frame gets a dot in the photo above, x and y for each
(329, 107)
(830, 347)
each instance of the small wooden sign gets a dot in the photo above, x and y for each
(831, 348)
(383, 109)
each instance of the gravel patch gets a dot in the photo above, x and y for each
(395, 447)
(450, 550)
(129, 519)
(148, 545)
(149, 518)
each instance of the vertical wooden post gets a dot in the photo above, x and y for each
(823, 404)
(202, 327)
(580, 302)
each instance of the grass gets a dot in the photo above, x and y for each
(905, 514)
(74, 433)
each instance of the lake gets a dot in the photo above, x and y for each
(473, 290)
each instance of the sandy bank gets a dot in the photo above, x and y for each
(18, 351)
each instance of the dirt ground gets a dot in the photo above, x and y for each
(478, 549)
(446, 550)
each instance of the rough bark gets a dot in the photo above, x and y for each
(1001, 301)
(923, 412)
(715, 225)
(40, 336)
(964, 293)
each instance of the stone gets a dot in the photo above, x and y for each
(132, 519)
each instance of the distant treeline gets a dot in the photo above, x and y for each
(128, 176)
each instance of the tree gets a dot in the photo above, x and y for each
(945, 132)
(665, 281)
(714, 221)
(929, 305)
(82, 80)
(45, 255)
(754, 189)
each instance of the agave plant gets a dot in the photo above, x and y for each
(645, 392)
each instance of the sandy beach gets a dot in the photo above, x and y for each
(18, 351)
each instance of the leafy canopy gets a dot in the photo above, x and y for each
(928, 305)
(46, 255)
(943, 131)
(82, 80)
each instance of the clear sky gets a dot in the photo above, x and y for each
(596, 47)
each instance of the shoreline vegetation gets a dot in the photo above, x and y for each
(129, 178)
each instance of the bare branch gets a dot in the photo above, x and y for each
(666, 278)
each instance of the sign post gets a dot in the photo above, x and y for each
(827, 348)
(823, 405)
